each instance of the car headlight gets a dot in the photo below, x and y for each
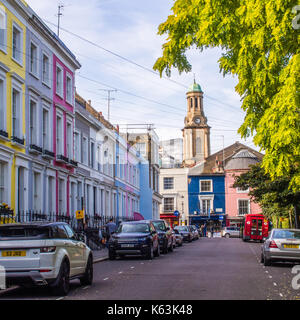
(143, 239)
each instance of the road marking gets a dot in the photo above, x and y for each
(120, 272)
(105, 279)
(275, 284)
(60, 298)
(281, 295)
(85, 287)
(270, 277)
(132, 267)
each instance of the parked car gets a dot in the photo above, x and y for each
(281, 245)
(194, 231)
(178, 238)
(231, 232)
(165, 235)
(134, 238)
(185, 232)
(44, 254)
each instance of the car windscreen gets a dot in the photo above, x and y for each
(159, 225)
(133, 228)
(17, 232)
(286, 234)
(182, 228)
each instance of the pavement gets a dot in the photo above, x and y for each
(206, 269)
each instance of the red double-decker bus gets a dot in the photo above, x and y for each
(255, 227)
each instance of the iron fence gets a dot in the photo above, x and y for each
(91, 225)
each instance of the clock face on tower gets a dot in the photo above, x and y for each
(197, 120)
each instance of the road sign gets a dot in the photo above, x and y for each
(79, 214)
(176, 213)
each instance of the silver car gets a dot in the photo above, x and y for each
(281, 245)
(231, 232)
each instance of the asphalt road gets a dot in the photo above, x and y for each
(205, 269)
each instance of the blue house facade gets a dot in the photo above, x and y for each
(207, 200)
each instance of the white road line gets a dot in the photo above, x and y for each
(60, 298)
(275, 284)
(120, 272)
(270, 277)
(105, 279)
(132, 267)
(281, 295)
(85, 287)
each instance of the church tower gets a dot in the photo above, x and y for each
(196, 132)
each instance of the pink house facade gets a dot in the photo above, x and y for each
(63, 127)
(238, 202)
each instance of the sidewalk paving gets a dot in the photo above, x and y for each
(100, 255)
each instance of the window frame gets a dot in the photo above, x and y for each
(206, 180)
(60, 67)
(3, 47)
(4, 100)
(36, 73)
(173, 204)
(19, 89)
(248, 206)
(164, 183)
(20, 30)
(69, 76)
(48, 84)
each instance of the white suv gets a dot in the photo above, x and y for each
(44, 254)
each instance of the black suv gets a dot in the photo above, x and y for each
(134, 238)
(165, 235)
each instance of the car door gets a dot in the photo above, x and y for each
(78, 250)
(154, 236)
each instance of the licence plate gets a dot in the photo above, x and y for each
(291, 246)
(13, 253)
(127, 245)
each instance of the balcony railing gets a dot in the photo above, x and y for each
(18, 140)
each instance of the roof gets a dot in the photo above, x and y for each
(208, 166)
(242, 160)
(195, 87)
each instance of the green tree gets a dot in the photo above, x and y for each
(259, 46)
(274, 196)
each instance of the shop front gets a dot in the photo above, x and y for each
(172, 219)
(214, 221)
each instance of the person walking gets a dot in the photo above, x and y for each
(212, 231)
(110, 228)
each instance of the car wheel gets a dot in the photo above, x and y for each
(111, 255)
(87, 279)
(261, 258)
(165, 248)
(227, 235)
(150, 254)
(62, 287)
(157, 252)
(267, 262)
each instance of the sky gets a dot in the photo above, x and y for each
(128, 29)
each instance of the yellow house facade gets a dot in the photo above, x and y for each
(13, 161)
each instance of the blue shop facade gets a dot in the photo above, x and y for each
(207, 200)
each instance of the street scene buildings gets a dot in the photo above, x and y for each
(84, 180)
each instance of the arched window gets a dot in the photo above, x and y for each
(196, 103)
(191, 102)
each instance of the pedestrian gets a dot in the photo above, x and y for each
(110, 228)
(212, 232)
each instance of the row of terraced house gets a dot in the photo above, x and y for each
(57, 153)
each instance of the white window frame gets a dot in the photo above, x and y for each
(19, 89)
(48, 146)
(46, 82)
(172, 186)
(36, 131)
(85, 150)
(62, 196)
(37, 191)
(35, 72)
(206, 180)
(3, 186)
(60, 146)
(3, 26)
(59, 89)
(77, 145)
(174, 204)
(209, 198)
(69, 139)
(238, 206)
(69, 99)
(3, 102)
(239, 190)
(20, 50)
